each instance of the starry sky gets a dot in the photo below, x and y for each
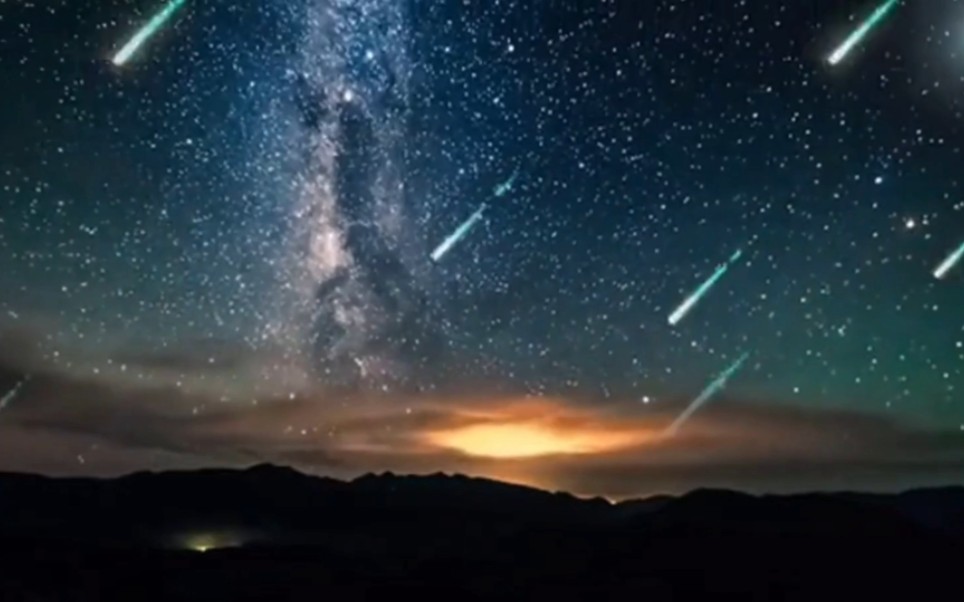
(218, 253)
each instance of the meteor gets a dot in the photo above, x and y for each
(12, 393)
(949, 262)
(504, 188)
(704, 288)
(147, 31)
(458, 235)
(861, 32)
(463, 230)
(712, 389)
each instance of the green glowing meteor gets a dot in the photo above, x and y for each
(861, 32)
(951, 261)
(458, 235)
(701, 292)
(718, 384)
(144, 33)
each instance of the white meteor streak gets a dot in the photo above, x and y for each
(704, 288)
(12, 393)
(147, 31)
(861, 32)
(458, 235)
(712, 389)
(952, 260)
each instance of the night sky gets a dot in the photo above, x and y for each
(218, 253)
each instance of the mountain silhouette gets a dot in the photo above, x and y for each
(273, 533)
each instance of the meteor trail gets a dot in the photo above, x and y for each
(949, 263)
(861, 32)
(712, 389)
(458, 235)
(12, 393)
(461, 232)
(704, 288)
(504, 188)
(149, 29)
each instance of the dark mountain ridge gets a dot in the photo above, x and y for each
(272, 497)
(469, 537)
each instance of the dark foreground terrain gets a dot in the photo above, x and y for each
(271, 533)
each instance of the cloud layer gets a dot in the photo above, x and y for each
(68, 423)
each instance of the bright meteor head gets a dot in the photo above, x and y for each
(146, 32)
(948, 264)
(868, 25)
(704, 288)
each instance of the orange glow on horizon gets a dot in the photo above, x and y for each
(512, 440)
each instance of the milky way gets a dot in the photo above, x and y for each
(345, 261)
